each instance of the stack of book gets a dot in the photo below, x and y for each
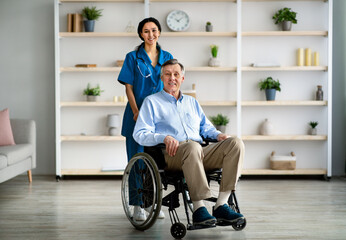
(74, 22)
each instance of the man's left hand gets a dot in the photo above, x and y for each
(222, 137)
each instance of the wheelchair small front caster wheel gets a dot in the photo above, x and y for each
(239, 226)
(178, 230)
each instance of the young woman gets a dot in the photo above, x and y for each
(141, 76)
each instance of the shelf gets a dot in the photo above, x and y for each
(284, 103)
(71, 1)
(90, 69)
(285, 68)
(97, 34)
(301, 171)
(284, 0)
(163, 34)
(217, 103)
(211, 69)
(284, 137)
(117, 69)
(284, 33)
(90, 172)
(80, 138)
(92, 104)
(193, 0)
(198, 34)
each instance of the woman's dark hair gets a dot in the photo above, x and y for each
(144, 21)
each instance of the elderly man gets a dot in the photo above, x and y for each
(178, 121)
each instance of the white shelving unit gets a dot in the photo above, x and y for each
(241, 42)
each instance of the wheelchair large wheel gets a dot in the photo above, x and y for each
(141, 186)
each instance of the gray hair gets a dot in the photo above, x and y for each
(172, 62)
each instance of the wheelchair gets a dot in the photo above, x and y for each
(143, 181)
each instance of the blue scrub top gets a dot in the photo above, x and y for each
(145, 79)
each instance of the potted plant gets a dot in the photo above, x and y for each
(214, 62)
(286, 17)
(208, 27)
(313, 129)
(270, 86)
(220, 122)
(92, 93)
(91, 14)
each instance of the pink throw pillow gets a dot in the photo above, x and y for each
(6, 135)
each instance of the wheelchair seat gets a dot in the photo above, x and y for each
(149, 168)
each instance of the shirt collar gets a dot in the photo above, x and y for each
(170, 98)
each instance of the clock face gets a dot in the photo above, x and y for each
(178, 20)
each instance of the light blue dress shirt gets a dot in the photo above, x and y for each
(161, 115)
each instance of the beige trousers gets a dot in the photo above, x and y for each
(194, 160)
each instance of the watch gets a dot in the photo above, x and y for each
(178, 20)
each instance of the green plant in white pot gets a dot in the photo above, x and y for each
(313, 129)
(286, 17)
(91, 14)
(92, 93)
(214, 61)
(270, 86)
(220, 122)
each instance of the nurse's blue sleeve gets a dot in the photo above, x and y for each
(127, 74)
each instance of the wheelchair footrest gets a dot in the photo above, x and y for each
(230, 223)
(199, 226)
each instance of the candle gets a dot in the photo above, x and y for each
(316, 59)
(300, 57)
(115, 99)
(308, 57)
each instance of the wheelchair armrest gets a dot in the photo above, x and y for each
(206, 141)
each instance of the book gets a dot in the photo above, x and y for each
(85, 65)
(77, 22)
(69, 22)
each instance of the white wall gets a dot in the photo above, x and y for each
(27, 70)
(27, 74)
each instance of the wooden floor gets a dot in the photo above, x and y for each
(91, 209)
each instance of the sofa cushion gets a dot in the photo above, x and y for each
(16, 153)
(3, 161)
(6, 135)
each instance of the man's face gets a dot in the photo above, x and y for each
(172, 78)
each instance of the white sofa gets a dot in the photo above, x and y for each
(19, 158)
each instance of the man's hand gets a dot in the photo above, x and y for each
(172, 145)
(222, 137)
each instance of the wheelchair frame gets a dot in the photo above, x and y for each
(154, 179)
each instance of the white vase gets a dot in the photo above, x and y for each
(221, 128)
(214, 62)
(266, 128)
(313, 131)
(91, 98)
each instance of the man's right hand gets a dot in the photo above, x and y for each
(171, 145)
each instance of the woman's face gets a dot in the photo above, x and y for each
(150, 33)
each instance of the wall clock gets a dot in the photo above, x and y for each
(178, 20)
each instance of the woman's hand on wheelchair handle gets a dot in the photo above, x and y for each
(172, 145)
(222, 137)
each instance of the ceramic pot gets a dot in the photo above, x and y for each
(270, 94)
(214, 62)
(208, 28)
(91, 98)
(221, 128)
(313, 131)
(89, 25)
(286, 25)
(266, 128)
